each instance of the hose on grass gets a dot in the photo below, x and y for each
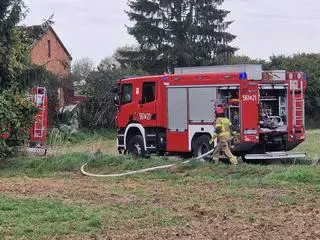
(140, 170)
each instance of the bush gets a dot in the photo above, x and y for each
(99, 110)
(39, 76)
(16, 117)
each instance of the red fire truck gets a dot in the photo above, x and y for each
(175, 113)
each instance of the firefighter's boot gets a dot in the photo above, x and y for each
(225, 148)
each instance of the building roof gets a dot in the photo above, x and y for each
(37, 32)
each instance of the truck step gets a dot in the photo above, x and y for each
(275, 155)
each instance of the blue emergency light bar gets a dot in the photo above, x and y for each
(305, 76)
(243, 76)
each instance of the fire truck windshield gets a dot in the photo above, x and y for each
(116, 98)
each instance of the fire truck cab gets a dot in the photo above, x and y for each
(175, 113)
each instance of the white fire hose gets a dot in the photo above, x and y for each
(140, 170)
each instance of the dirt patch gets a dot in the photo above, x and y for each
(210, 210)
(73, 190)
(215, 215)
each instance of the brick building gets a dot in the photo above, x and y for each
(49, 51)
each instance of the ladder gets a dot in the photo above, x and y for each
(39, 100)
(298, 106)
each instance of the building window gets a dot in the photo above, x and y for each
(126, 94)
(49, 49)
(148, 92)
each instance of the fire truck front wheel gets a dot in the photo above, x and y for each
(136, 146)
(200, 146)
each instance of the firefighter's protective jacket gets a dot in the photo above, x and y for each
(223, 127)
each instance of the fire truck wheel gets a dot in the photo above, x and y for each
(200, 146)
(136, 146)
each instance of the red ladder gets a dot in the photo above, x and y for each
(298, 112)
(39, 130)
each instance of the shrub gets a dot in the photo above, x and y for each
(16, 117)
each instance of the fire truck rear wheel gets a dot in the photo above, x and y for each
(136, 146)
(200, 146)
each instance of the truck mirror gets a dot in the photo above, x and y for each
(116, 100)
(115, 90)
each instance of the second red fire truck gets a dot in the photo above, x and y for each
(175, 113)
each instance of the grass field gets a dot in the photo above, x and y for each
(48, 198)
(312, 145)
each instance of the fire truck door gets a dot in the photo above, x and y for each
(249, 111)
(147, 104)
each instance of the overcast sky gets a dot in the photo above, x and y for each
(96, 28)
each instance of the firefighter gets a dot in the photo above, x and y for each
(223, 127)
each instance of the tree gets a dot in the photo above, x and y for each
(237, 59)
(108, 64)
(99, 110)
(17, 115)
(123, 57)
(178, 33)
(130, 57)
(15, 43)
(12, 39)
(81, 70)
(308, 63)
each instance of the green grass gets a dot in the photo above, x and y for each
(312, 145)
(42, 166)
(35, 218)
(252, 217)
(257, 176)
(245, 175)
(52, 165)
(70, 163)
(286, 200)
(58, 137)
(298, 174)
(247, 195)
(119, 214)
